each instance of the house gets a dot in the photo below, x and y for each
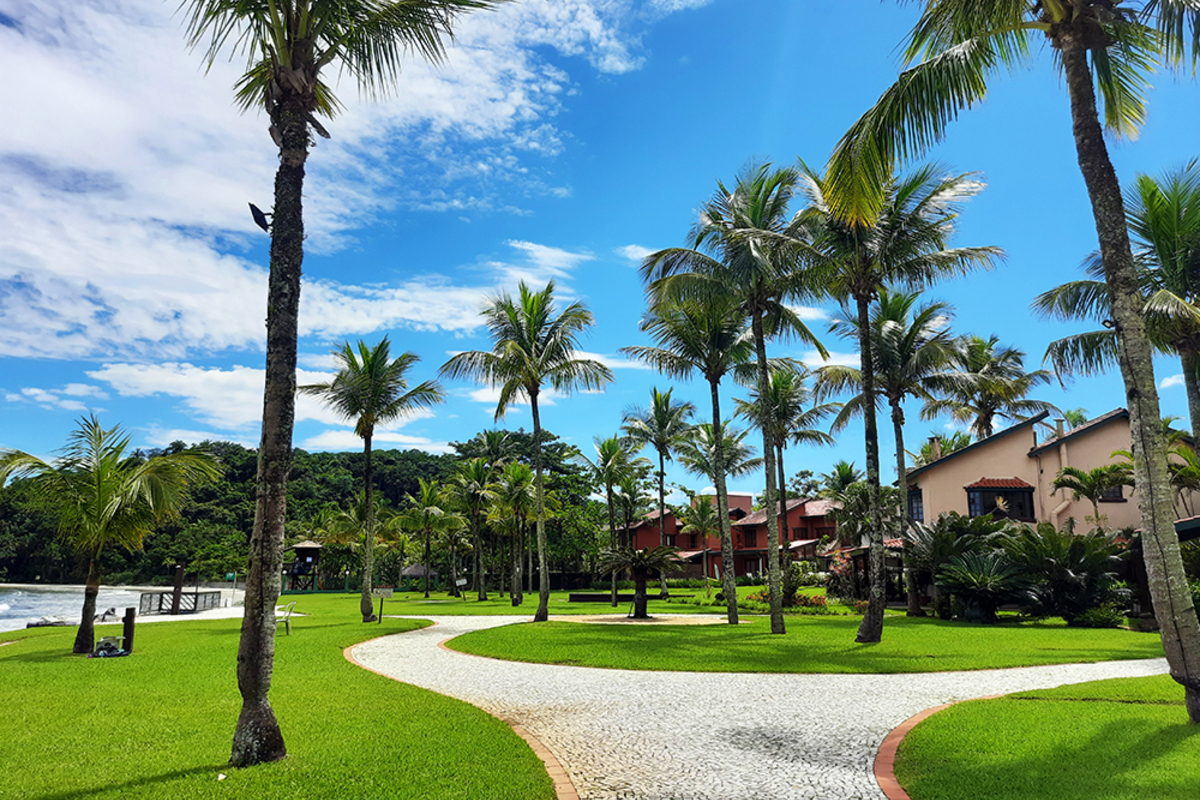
(1010, 474)
(808, 521)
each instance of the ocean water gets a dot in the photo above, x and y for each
(19, 606)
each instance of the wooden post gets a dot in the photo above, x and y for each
(130, 615)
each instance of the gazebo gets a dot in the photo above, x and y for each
(303, 572)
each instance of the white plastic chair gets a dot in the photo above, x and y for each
(284, 614)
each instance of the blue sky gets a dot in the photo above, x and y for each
(561, 139)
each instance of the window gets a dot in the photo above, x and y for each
(916, 505)
(799, 533)
(749, 538)
(1114, 494)
(1001, 503)
(669, 539)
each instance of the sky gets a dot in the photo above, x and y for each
(560, 139)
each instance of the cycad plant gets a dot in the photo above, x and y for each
(640, 563)
(982, 582)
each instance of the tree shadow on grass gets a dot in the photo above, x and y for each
(118, 789)
(1055, 750)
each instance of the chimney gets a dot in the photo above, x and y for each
(935, 448)
(1058, 427)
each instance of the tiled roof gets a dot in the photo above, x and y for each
(894, 544)
(999, 483)
(760, 516)
(820, 508)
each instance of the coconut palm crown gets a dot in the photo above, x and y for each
(533, 345)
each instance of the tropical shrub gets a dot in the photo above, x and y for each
(1109, 615)
(1066, 573)
(982, 582)
(845, 580)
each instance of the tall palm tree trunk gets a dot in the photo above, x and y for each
(728, 579)
(1173, 606)
(365, 604)
(517, 555)
(612, 538)
(1189, 360)
(781, 545)
(662, 513)
(543, 609)
(85, 637)
(910, 575)
(871, 629)
(428, 537)
(257, 738)
(764, 389)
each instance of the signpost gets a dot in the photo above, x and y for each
(461, 582)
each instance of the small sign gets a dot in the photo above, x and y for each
(230, 576)
(382, 592)
(461, 582)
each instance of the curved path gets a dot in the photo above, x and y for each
(625, 735)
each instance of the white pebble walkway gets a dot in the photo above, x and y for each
(702, 735)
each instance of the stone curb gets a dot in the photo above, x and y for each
(885, 758)
(564, 789)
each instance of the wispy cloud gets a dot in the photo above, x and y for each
(124, 200)
(1171, 381)
(634, 252)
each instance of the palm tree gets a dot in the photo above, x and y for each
(515, 499)
(910, 348)
(787, 397)
(946, 444)
(701, 454)
(904, 242)
(1091, 484)
(708, 336)
(734, 250)
(963, 43)
(532, 346)
(660, 426)
(473, 483)
(839, 477)
(428, 513)
(106, 495)
(612, 463)
(371, 388)
(1164, 220)
(640, 564)
(984, 381)
(700, 518)
(287, 45)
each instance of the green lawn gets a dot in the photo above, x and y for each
(1123, 739)
(812, 644)
(439, 604)
(160, 722)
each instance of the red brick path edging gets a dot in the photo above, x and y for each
(885, 758)
(563, 788)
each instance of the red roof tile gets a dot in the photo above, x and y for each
(999, 483)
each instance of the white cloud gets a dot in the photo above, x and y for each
(123, 190)
(347, 439)
(810, 313)
(634, 252)
(612, 362)
(812, 359)
(1171, 381)
(60, 399)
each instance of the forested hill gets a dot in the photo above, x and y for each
(211, 536)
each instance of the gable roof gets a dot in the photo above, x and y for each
(760, 516)
(912, 473)
(999, 483)
(1103, 419)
